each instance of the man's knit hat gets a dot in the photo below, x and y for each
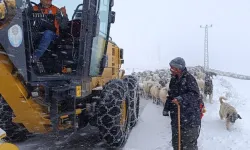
(178, 63)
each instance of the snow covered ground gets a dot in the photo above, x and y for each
(153, 130)
(86, 138)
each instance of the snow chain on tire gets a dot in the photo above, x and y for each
(134, 98)
(110, 111)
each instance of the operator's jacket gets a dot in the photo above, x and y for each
(54, 17)
(187, 92)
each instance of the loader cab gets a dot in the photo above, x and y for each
(61, 57)
(79, 50)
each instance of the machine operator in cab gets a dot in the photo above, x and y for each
(59, 19)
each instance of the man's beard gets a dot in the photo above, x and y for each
(174, 75)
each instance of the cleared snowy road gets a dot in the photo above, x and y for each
(152, 130)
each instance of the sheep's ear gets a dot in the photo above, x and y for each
(239, 116)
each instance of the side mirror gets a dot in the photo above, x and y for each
(110, 38)
(121, 53)
(111, 3)
(112, 17)
(104, 62)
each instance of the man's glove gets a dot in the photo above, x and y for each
(204, 110)
(177, 100)
(170, 98)
(165, 113)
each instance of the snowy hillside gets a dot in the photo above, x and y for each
(153, 130)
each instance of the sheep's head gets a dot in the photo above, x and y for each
(163, 82)
(158, 86)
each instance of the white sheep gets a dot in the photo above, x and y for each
(163, 95)
(156, 77)
(201, 84)
(146, 88)
(154, 91)
(141, 89)
(200, 75)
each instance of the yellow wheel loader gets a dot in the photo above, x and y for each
(78, 80)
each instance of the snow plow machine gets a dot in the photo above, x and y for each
(78, 81)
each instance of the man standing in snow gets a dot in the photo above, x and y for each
(183, 89)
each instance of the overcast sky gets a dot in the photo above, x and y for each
(153, 33)
(143, 27)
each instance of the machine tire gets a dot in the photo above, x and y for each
(134, 98)
(114, 125)
(15, 132)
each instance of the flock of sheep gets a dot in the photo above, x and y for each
(155, 84)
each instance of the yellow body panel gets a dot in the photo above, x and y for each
(9, 5)
(27, 112)
(8, 146)
(2, 10)
(78, 91)
(2, 136)
(112, 71)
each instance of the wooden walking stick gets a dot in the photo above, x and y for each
(179, 126)
(179, 122)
